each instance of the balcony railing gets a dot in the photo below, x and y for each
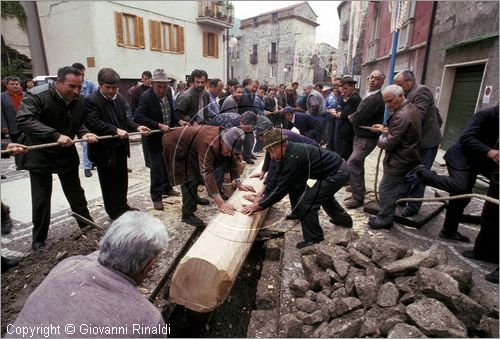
(218, 14)
(272, 57)
(253, 58)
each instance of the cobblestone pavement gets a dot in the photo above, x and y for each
(15, 191)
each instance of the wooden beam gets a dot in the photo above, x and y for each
(204, 277)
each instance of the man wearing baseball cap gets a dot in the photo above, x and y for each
(192, 154)
(297, 164)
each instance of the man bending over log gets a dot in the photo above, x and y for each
(192, 154)
(297, 164)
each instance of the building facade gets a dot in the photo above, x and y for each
(269, 43)
(462, 68)
(352, 16)
(132, 36)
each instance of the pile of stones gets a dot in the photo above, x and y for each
(363, 287)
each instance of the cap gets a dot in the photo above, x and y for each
(233, 139)
(348, 80)
(249, 118)
(263, 125)
(288, 109)
(273, 137)
(160, 75)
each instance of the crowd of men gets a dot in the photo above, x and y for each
(205, 128)
(196, 134)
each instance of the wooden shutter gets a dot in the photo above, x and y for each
(140, 32)
(152, 37)
(181, 39)
(205, 44)
(171, 46)
(119, 29)
(216, 45)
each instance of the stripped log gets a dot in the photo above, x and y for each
(206, 274)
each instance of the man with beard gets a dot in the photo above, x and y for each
(192, 106)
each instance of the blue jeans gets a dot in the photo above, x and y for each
(413, 188)
(87, 164)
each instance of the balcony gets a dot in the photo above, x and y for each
(253, 58)
(272, 57)
(217, 14)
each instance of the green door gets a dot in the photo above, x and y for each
(463, 102)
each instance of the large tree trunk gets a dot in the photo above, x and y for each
(206, 274)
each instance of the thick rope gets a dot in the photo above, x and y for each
(103, 137)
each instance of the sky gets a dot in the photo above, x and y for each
(327, 31)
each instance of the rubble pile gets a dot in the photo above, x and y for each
(365, 287)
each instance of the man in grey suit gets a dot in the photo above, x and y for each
(423, 99)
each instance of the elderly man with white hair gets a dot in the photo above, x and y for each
(401, 142)
(96, 295)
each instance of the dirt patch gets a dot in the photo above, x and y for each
(18, 283)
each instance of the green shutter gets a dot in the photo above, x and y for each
(463, 102)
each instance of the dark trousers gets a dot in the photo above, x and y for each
(41, 192)
(248, 145)
(361, 148)
(413, 186)
(189, 191)
(145, 152)
(114, 185)
(158, 173)
(458, 182)
(389, 192)
(486, 244)
(321, 194)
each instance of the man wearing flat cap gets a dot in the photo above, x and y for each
(297, 164)
(192, 154)
(156, 111)
(344, 132)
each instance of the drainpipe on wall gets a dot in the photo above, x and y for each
(429, 38)
(37, 47)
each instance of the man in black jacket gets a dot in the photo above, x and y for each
(107, 115)
(369, 112)
(307, 124)
(299, 162)
(192, 105)
(476, 152)
(51, 113)
(156, 111)
(344, 133)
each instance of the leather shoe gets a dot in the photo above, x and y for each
(374, 225)
(193, 220)
(253, 157)
(130, 208)
(8, 263)
(306, 243)
(249, 161)
(292, 216)
(353, 203)
(172, 193)
(88, 173)
(343, 220)
(492, 277)
(201, 201)
(158, 205)
(454, 236)
(406, 213)
(37, 245)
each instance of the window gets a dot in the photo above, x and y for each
(273, 47)
(129, 30)
(210, 45)
(275, 18)
(406, 20)
(273, 72)
(166, 37)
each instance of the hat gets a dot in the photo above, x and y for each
(326, 89)
(263, 125)
(233, 139)
(273, 137)
(348, 80)
(289, 88)
(288, 109)
(160, 75)
(249, 118)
